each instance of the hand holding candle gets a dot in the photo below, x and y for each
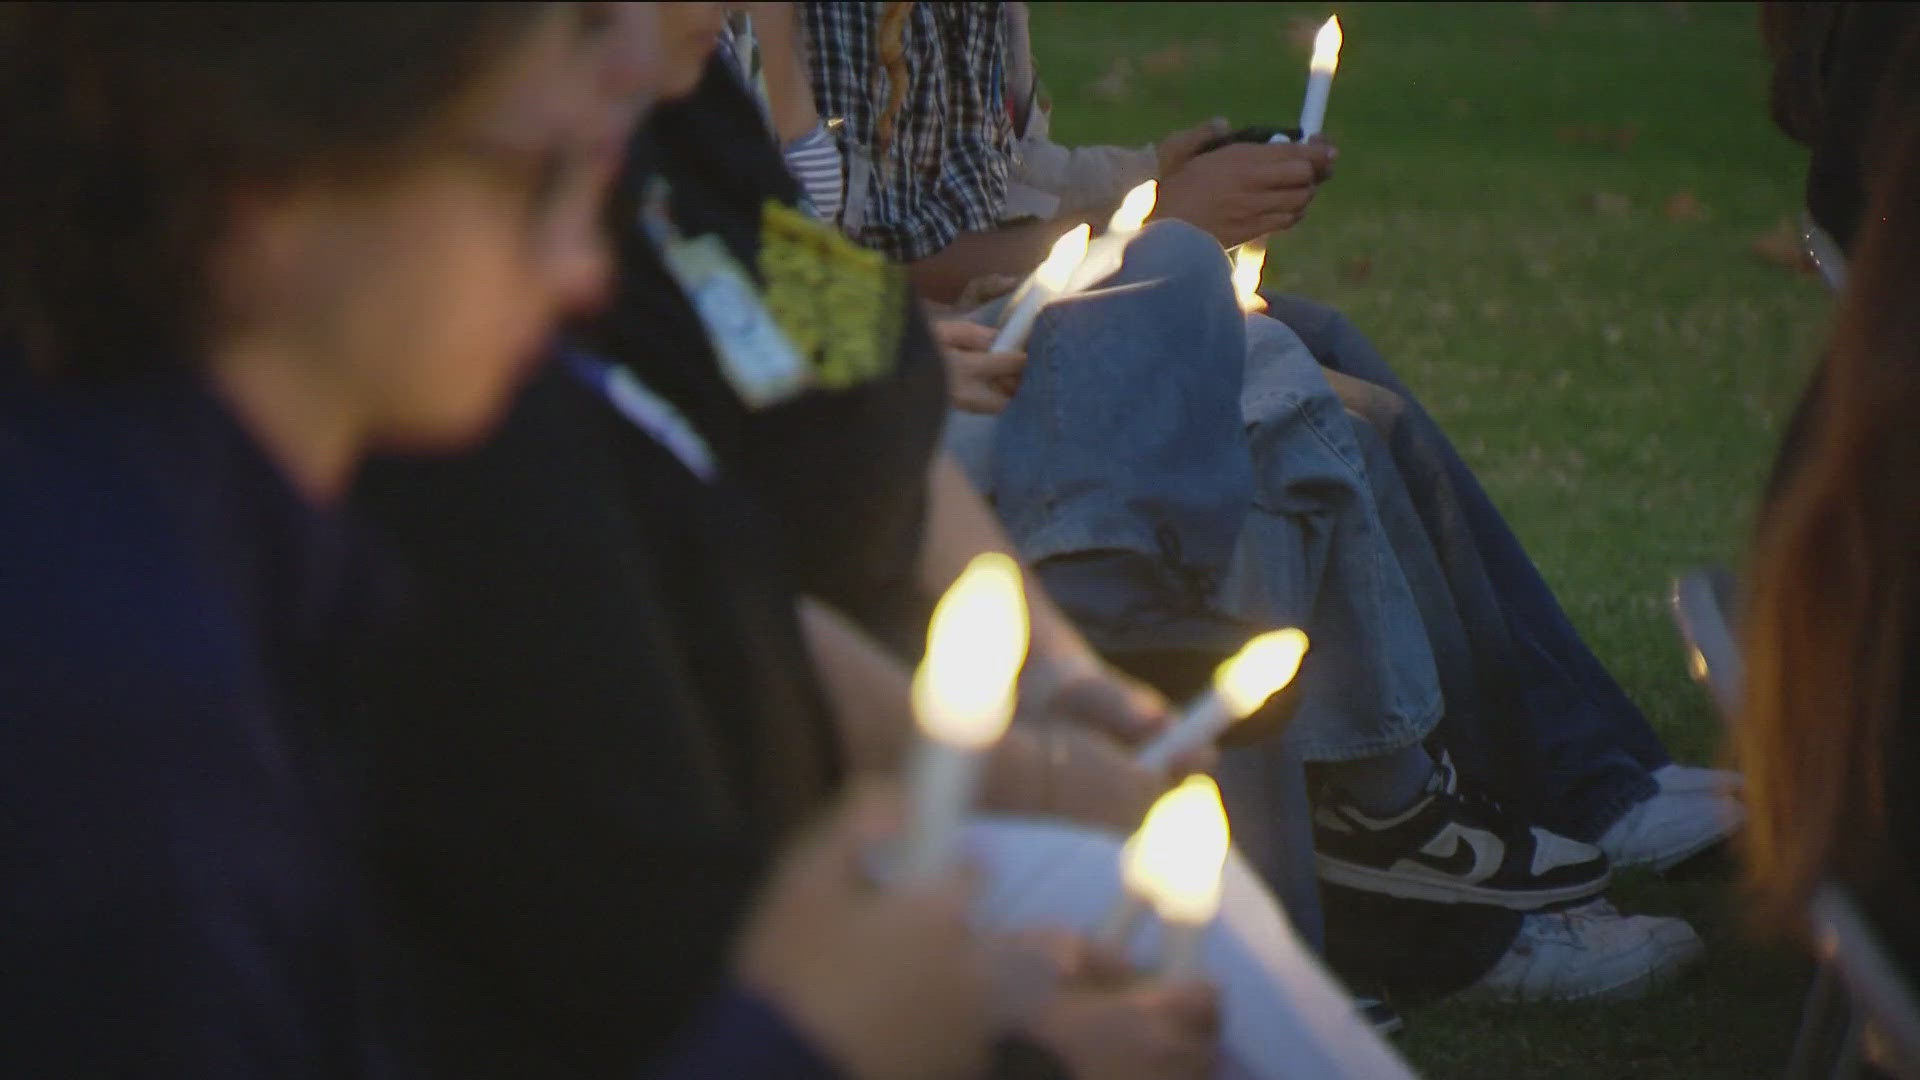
(1261, 669)
(963, 695)
(1047, 284)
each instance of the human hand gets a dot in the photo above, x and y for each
(890, 983)
(1102, 1020)
(1246, 190)
(984, 288)
(1178, 148)
(978, 380)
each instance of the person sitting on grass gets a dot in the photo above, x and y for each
(926, 185)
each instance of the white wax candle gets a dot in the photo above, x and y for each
(1116, 932)
(1026, 308)
(1180, 955)
(1326, 58)
(1205, 720)
(1241, 685)
(942, 779)
(1046, 284)
(963, 695)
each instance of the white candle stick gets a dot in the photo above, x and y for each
(1249, 263)
(1261, 669)
(1047, 283)
(1109, 249)
(1326, 58)
(1174, 863)
(963, 697)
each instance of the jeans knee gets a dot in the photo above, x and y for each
(1175, 250)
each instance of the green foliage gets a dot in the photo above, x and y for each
(1545, 215)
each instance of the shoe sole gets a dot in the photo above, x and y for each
(1678, 957)
(1386, 882)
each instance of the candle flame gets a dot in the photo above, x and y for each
(1065, 256)
(1326, 46)
(1135, 208)
(1175, 859)
(963, 692)
(1249, 261)
(1262, 668)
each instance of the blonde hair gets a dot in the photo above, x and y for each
(890, 45)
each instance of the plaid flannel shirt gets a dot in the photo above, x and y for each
(945, 171)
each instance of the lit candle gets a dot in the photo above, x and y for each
(1048, 282)
(1261, 669)
(963, 696)
(1249, 260)
(1107, 250)
(1326, 57)
(1173, 863)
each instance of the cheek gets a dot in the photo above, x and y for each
(464, 317)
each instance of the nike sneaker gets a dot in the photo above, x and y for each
(1670, 827)
(1453, 848)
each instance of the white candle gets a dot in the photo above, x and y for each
(1249, 262)
(1109, 249)
(963, 697)
(1326, 58)
(1047, 283)
(1261, 669)
(1174, 862)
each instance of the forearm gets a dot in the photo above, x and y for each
(783, 61)
(1015, 251)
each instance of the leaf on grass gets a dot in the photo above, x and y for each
(1600, 136)
(1168, 61)
(1116, 85)
(1357, 270)
(1300, 32)
(1683, 206)
(1782, 248)
(1607, 203)
(1546, 13)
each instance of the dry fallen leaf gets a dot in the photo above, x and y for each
(1601, 136)
(1300, 32)
(1609, 203)
(1546, 12)
(1684, 206)
(1782, 248)
(1117, 84)
(1168, 61)
(1357, 270)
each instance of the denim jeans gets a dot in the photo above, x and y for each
(1548, 730)
(1149, 423)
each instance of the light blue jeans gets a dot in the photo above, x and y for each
(1155, 421)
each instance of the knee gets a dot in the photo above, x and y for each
(1176, 251)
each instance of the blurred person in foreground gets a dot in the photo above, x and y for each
(245, 245)
(1829, 731)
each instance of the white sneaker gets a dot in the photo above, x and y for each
(1668, 829)
(1588, 953)
(1677, 779)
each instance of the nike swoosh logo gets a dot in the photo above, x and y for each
(1472, 855)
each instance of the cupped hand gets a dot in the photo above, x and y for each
(1243, 191)
(979, 380)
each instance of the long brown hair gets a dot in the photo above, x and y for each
(1835, 593)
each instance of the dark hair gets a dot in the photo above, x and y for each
(1835, 601)
(128, 125)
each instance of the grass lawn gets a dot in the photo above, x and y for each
(1544, 214)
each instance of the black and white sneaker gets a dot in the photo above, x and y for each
(1453, 849)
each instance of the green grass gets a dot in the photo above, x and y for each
(1616, 376)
